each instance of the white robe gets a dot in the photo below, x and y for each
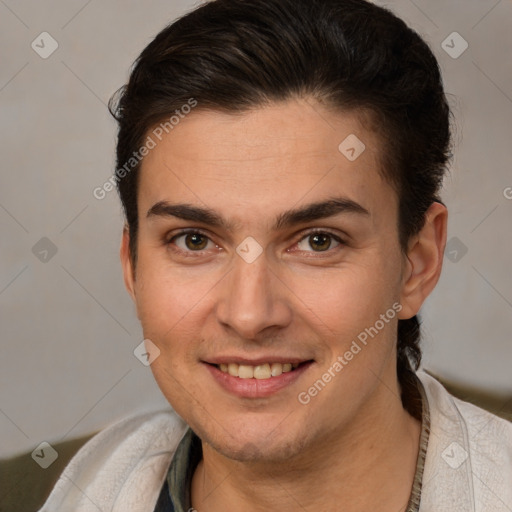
(468, 466)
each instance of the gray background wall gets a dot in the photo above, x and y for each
(68, 328)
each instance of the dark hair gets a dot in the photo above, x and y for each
(234, 55)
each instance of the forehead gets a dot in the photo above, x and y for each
(265, 160)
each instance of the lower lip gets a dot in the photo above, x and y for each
(256, 388)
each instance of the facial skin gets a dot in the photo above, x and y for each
(295, 302)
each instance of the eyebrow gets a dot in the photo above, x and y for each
(287, 219)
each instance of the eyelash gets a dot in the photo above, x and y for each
(191, 231)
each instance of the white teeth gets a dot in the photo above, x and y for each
(261, 371)
(233, 369)
(245, 371)
(276, 369)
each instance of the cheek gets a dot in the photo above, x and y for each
(170, 308)
(346, 298)
(168, 298)
(350, 305)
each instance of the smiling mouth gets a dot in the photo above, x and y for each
(260, 372)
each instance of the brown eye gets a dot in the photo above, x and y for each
(196, 241)
(191, 242)
(319, 242)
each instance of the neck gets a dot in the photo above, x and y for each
(369, 464)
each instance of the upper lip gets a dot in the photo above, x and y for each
(255, 361)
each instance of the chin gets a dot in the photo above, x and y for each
(260, 451)
(259, 443)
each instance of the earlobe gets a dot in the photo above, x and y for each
(424, 261)
(126, 263)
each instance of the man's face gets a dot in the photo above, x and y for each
(208, 298)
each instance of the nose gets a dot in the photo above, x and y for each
(253, 300)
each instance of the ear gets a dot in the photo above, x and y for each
(424, 261)
(126, 263)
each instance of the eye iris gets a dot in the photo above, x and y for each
(195, 241)
(322, 242)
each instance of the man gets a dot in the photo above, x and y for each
(279, 164)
